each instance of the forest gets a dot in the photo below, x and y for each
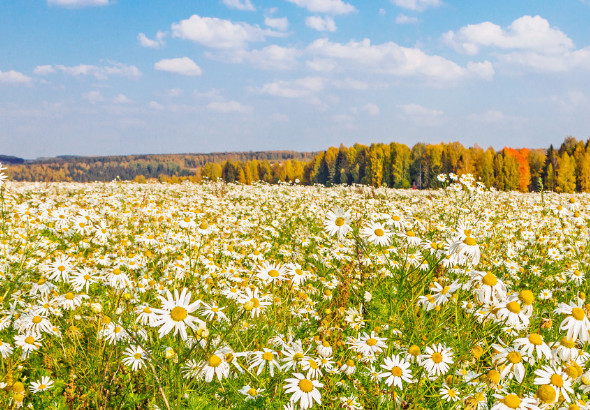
(562, 169)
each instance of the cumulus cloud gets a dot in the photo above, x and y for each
(272, 57)
(93, 97)
(525, 33)
(371, 109)
(182, 66)
(392, 59)
(122, 99)
(155, 105)
(325, 6)
(403, 19)
(219, 33)
(43, 70)
(417, 5)
(245, 5)
(277, 23)
(302, 88)
(321, 23)
(98, 72)
(14, 77)
(529, 42)
(351, 84)
(78, 3)
(227, 107)
(144, 41)
(419, 110)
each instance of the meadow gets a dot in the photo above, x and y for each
(203, 296)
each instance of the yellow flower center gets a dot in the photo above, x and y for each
(147, 310)
(469, 241)
(396, 371)
(513, 307)
(305, 385)
(535, 339)
(445, 290)
(514, 357)
(137, 356)
(489, 279)
(436, 357)
(273, 273)
(86, 277)
(573, 371)
(203, 225)
(267, 356)
(178, 314)
(297, 357)
(255, 303)
(69, 296)
(512, 401)
(42, 387)
(214, 361)
(414, 350)
(61, 268)
(313, 364)
(546, 393)
(116, 271)
(578, 313)
(41, 281)
(37, 319)
(371, 342)
(339, 221)
(379, 232)
(30, 340)
(565, 342)
(252, 392)
(526, 297)
(556, 380)
(350, 363)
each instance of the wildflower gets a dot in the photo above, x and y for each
(250, 393)
(512, 401)
(304, 391)
(376, 233)
(576, 324)
(45, 383)
(28, 344)
(263, 358)
(135, 357)
(175, 314)
(556, 378)
(436, 359)
(337, 223)
(215, 366)
(398, 370)
(368, 344)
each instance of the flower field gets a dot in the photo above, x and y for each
(186, 296)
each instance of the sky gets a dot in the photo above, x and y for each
(108, 77)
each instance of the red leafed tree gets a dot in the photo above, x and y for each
(524, 171)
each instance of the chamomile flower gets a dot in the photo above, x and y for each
(436, 359)
(45, 383)
(398, 371)
(134, 357)
(337, 223)
(175, 314)
(305, 391)
(376, 233)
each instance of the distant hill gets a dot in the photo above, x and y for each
(128, 167)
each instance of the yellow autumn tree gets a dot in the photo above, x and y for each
(566, 174)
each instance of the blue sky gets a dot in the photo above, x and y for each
(102, 77)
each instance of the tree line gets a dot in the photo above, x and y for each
(566, 169)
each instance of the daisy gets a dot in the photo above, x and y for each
(312, 367)
(511, 312)
(368, 344)
(304, 391)
(576, 324)
(28, 343)
(60, 269)
(512, 401)
(5, 349)
(555, 377)
(250, 392)
(135, 357)
(262, 358)
(83, 278)
(337, 223)
(534, 343)
(398, 370)
(41, 385)
(376, 233)
(513, 361)
(175, 314)
(449, 394)
(213, 311)
(215, 366)
(254, 302)
(436, 359)
(270, 273)
(488, 287)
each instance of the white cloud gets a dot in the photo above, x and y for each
(371, 109)
(351, 84)
(304, 88)
(390, 58)
(227, 107)
(122, 99)
(272, 57)
(525, 33)
(99, 72)
(279, 117)
(417, 5)
(419, 110)
(403, 19)
(529, 42)
(14, 77)
(155, 105)
(321, 23)
(325, 6)
(93, 97)
(219, 33)
(43, 70)
(78, 3)
(245, 5)
(321, 65)
(175, 92)
(182, 65)
(281, 24)
(144, 41)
